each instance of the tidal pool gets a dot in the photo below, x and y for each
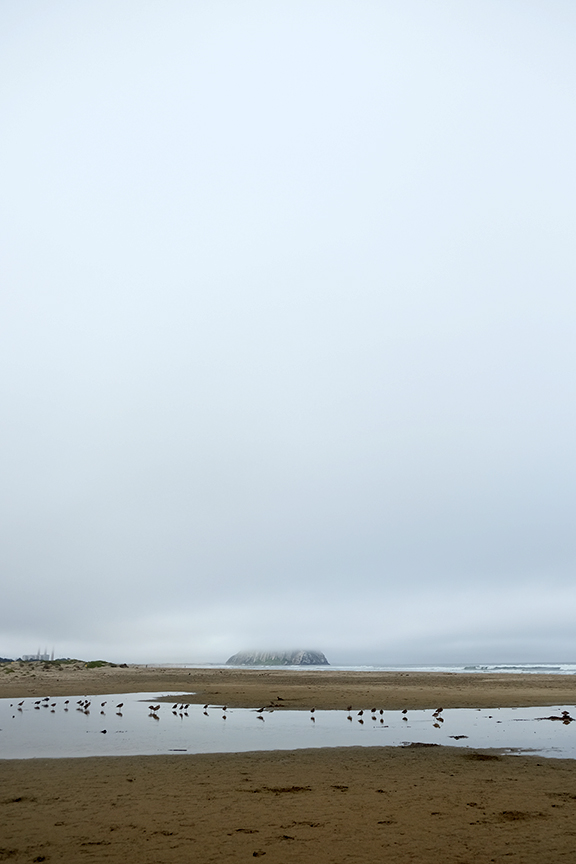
(123, 724)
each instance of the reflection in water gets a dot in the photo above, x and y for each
(138, 723)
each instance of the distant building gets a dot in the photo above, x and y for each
(39, 656)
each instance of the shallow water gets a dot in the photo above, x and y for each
(51, 728)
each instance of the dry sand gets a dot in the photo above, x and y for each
(413, 804)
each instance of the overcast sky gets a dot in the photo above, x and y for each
(287, 329)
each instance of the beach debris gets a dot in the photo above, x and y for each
(563, 718)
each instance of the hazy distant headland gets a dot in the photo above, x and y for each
(278, 658)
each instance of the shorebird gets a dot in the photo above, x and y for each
(120, 705)
(312, 710)
(361, 712)
(404, 710)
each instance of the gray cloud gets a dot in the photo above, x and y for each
(287, 327)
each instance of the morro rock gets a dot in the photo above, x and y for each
(278, 658)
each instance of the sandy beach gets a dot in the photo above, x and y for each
(298, 689)
(410, 804)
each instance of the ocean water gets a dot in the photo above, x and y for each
(123, 725)
(513, 668)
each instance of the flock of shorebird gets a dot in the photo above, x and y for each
(83, 705)
(180, 709)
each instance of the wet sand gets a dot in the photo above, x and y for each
(410, 804)
(425, 805)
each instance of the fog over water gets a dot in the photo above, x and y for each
(287, 329)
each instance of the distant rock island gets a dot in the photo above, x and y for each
(278, 658)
